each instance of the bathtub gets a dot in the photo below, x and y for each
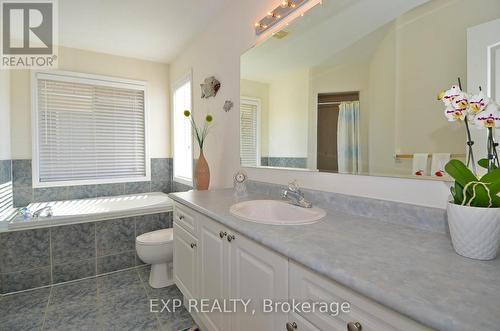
(94, 209)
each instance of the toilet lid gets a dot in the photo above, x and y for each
(156, 237)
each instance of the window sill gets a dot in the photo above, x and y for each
(91, 182)
(185, 181)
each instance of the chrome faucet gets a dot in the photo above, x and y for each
(295, 196)
(47, 209)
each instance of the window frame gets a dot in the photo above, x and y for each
(258, 141)
(186, 78)
(78, 77)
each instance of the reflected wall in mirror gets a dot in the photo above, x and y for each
(351, 86)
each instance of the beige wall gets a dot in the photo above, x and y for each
(382, 100)
(5, 153)
(284, 103)
(258, 90)
(217, 52)
(407, 72)
(155, 74)
(438, 64)
(288, 104)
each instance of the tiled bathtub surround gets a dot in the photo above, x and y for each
(424, 218)
(40, 257)
(284, 162)
(6, 202)
(24, 193)
(5, 171)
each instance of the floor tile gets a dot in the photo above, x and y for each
(174, 321)
(83, 291)
(25, 302)
(118, 281)
(130, 322)
(25, 322)
(75, 316)
(119, 301)
(127, 308)
(23, 311)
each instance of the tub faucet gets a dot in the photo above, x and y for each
(295, 196)
(47, 209)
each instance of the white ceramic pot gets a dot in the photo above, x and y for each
(475, 232)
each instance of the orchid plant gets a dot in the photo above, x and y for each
(470, 189)
(200, 132)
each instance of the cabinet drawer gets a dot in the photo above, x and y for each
(308, 285)
(185, 217)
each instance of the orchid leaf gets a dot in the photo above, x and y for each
(493, 180)
(483, 163)
(480, 197)
(457, 191)
(460, 172)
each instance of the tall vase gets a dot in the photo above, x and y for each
(202, 173)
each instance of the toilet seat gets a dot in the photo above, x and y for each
(157, 237)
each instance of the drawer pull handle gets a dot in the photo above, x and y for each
(222, 234)
(181, 217)
(193, 245)
(291, 326)
(354, 326)
(231, 237)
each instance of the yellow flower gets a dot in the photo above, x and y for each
(209, 118)
(187, 113)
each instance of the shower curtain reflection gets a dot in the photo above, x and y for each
(348, 138)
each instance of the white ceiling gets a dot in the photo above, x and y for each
(155, 30)
(338, 30)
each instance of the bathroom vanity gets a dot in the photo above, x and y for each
(389, 284)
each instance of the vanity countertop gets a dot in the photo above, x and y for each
(414, 272)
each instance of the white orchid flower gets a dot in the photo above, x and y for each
(448, 96)
(453, 114)
(489, 117)
(478, 103)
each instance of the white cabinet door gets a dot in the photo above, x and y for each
(256, 273)
(212, 269)
(185, 262)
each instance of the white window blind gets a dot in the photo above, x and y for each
(183, 154)
(90, 130)
(249, 133)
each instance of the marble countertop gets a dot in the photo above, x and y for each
(413, 272)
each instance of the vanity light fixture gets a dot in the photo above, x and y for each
(284, 12)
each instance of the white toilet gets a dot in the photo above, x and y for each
(156, 248)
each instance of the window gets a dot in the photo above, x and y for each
(183, 154)
(88, 130)
(250, 132)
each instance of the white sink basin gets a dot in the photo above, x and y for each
(276, 212)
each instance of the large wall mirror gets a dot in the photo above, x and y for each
(351, 86)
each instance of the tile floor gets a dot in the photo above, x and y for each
(118, 301)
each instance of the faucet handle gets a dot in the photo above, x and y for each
(293, 186)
